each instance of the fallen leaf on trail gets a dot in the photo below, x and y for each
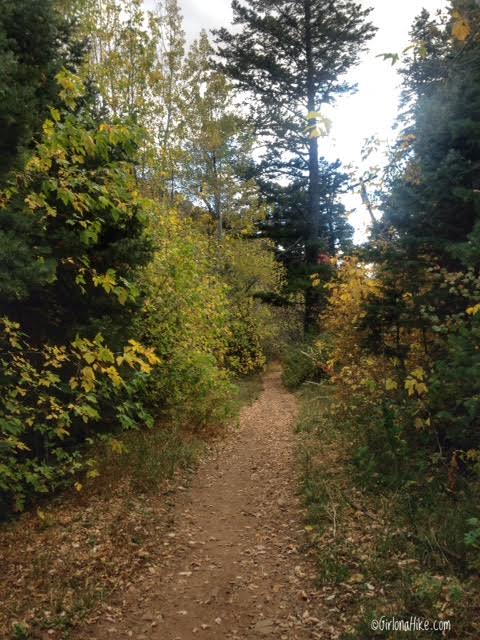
(356, 578)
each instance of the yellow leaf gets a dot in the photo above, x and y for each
(390, 385)
(418, 373)
(472, 311)
(114, 376)
(117, 446)
(152, 356)
(88, 378)
(421, 388)
(461, 29)
(55, 113)
(78, 486)
(473, 455)
(21, 446)
(410, 386)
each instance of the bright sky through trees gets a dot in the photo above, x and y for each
(372, 110)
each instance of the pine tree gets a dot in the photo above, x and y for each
(432, 206)
(434, 203)
(34, 45)
(287, 224)
(289, 57)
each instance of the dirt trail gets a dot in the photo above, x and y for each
(231, 567)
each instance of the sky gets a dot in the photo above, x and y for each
(371, 111)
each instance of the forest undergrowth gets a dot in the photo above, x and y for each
(379, 555)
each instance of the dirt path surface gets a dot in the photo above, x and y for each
(230, 566)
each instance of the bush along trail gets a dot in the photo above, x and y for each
(159, 246)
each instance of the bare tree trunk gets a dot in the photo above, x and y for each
(217, 201)
(314, 212)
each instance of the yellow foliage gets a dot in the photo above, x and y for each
(391, 385)
(472, 311)
(461, 28)
(412, 385)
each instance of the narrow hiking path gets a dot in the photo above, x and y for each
(230, 566)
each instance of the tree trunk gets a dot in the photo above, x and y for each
(217, 200)
(312, 238)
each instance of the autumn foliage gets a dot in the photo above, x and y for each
(130, 278)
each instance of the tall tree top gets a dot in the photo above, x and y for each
(267, 47)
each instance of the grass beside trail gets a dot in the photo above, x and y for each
(372, 560)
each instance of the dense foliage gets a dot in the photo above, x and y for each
(400, 337)
(34, 45)
(143, 240)
(131, 278)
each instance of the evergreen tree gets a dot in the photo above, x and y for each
(34, 45)
(287, 225)
(434, 203)
(72, 229)
(290, 58)
(432, 207)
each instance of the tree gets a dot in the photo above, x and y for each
(34, 45)
(136, 68)
(78, 225)
(290, 58)
(122, 60)
(433, 201)
(217, 147)
(288, 227)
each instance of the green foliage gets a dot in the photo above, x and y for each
(33, 49)
(52, 398)
(151, 457)
(202, 327)
(91, 270)
(83, 224)
(432, 199)
(401, 336)
(410, 544)
(300, 365)
(454, 395)
(79, 223)
(20, 632)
